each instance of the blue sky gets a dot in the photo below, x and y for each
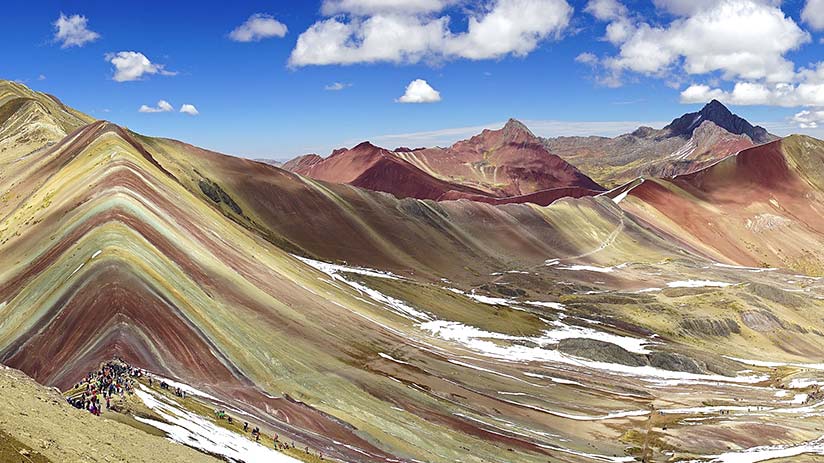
(563, 66)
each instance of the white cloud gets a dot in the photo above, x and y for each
(189, 109)
(806, 90)
(419, 91)
(259, 26)
(367, 7)
(606, 10)
(690, 7)
(132, 65)
(41, 77)
(813, 14)
(725, 37)
(587, 58)
(809, 119)
(163, 106)
(336, 86)
(73, 31)
(366, 31)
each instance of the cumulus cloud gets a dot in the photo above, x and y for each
(132, 65)
(189, 109)
(336, 86)
(813, 14)
(726, 37)
(587, 58)
(809, 119)
(690, 7)
(366, 31)
(366, 7)
(163, 106)
(606, 10)
(259, 26)
(807, 89)
(419, 91)
(73, 31)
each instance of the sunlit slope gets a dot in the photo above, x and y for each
(114, 248)
(30, 120)
(447, 239)
(478, 333)
(762, 207)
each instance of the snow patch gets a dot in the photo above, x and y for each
(592, 268)
(481, 340)
(770, 452)
(195, 431)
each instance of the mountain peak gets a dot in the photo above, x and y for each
(716, 112)
(366, 146)
(714, 104)
(513, 126)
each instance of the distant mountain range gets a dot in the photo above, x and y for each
(512, 165)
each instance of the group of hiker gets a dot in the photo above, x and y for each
(164, 385)
(114, 378)
(256, 434)
(117, 378)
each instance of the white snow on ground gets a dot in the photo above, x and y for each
(799, 399)
(749, 269)
(185, 387)
(803, 383)
(195, 431)
(330, 269)
(96, 253)
(488, 343)
(621, 197)
(512, 303)
(554, 379)
(454, 331)
(393, 359)
(489, 300)
(608, 416)
(398, 306)
(550, 305)
(78, 268)
(592, 268)
(698, 284)
(761, 363)
(551, 262)
(769, 452)
(688, 148)
(483, 343)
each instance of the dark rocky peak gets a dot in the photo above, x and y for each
(720, 115)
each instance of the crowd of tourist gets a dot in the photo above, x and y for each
(113, 379)
(116, 379)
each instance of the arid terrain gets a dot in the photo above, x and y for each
(490, 301)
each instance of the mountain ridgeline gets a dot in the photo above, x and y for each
(487, 301)
(718, 114)
(512, 165)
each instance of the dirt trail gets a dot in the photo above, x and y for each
(39, 418)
